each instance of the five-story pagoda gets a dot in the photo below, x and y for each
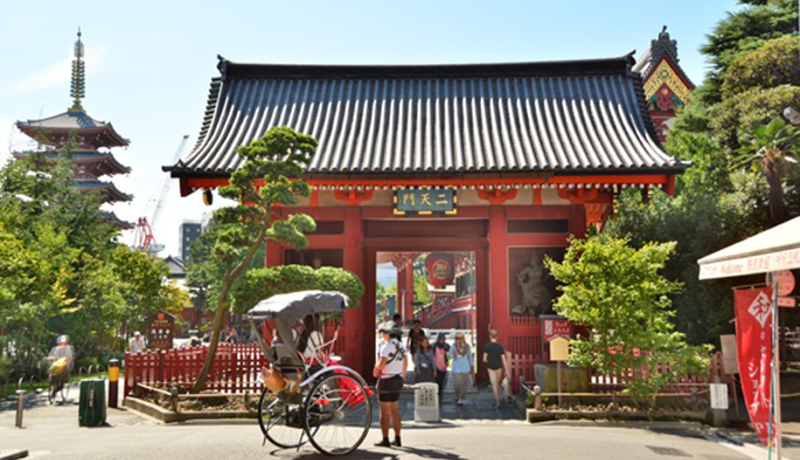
(88, 140)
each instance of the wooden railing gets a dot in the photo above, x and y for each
(522, 370)
(235, 368)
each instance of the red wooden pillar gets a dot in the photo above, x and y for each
(578, 220)
(354, 262)
(273, 253)
(408, 290)
(368, 307)
(498, 278)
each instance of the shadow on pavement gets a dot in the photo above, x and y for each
(357, 455)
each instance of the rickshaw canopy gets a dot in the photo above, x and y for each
(294, 306)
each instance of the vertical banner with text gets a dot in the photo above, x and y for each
(754, 351)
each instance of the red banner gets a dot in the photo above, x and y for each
(754, 350)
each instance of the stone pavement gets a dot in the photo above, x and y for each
(52, 433)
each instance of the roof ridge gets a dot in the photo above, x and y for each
(230, 69)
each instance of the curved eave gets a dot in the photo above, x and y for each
(111, 137)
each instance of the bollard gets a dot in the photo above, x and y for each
(113, 383)
(537, 401)
(20, 407)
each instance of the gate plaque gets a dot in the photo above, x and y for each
(424, 202)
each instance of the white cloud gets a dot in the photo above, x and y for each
(56, 75)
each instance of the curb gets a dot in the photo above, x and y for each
(166, 416)
(640, 424)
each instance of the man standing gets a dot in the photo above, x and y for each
(137, 343)
(415, 336)
(494, 355)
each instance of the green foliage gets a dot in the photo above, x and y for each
(62, 270)
(618, 291)
(775, 63)
(421, 293)
(270, 176)
(743, 31)
(262, 283)
(703, 309)
(739, 115)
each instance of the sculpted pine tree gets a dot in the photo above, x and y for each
(270, 176)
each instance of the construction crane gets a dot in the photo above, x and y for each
(143, 238)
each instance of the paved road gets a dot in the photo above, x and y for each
(52, 433)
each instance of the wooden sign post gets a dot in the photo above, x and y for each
(160, 331)
(559, 352)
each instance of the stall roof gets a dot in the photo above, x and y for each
(775, 249)
(584, 116)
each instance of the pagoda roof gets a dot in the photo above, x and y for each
(110, 216)
(114, 194)
(77, 121)
(583, 116)
(662, 47)
(89, 157)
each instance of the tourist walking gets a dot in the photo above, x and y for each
(461, 354)
(494, 355)
(441, 353)
(424, 362)
(415, 335)
(390, 372)
(137, 344)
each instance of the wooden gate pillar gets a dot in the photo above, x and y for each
(354, 317)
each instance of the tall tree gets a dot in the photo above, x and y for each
(270, 176)
(619, 292)
(769, 147)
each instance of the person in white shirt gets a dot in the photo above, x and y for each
(390, 372)
(137, 343)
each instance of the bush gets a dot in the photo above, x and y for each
(262, 283)
(618, 292)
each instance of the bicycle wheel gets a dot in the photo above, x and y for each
(338, 414)
(273, 414)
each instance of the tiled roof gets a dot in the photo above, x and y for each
(73, 120)
(570, 116)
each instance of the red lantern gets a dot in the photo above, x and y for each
(441, 269)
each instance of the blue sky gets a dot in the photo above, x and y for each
(149, 63)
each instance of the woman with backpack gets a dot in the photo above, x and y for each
(425, 362)
(441, 353)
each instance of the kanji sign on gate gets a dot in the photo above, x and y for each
(424, 202)
(754, 350)
(557, 327)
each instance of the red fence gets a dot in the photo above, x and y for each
(235, 368)
(522, 365)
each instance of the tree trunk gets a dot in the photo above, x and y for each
(222, 304)
(777, 207)
(230, 277)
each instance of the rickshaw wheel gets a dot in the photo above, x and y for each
(272, 418)
(338, 414)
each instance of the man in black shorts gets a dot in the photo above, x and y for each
(390, 372)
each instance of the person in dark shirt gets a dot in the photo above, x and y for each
(415, 336)
(494, 355)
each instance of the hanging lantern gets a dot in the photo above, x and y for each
(441, 269)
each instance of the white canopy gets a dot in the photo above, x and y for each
(770, 251)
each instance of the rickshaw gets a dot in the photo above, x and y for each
(308, 394)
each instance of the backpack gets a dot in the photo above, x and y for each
(441, 359)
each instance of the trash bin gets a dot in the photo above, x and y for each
(92, 406)
(426, 402)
